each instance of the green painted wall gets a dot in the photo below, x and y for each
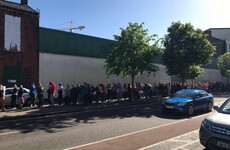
(67, 43)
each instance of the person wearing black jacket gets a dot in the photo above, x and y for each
(20, 97)
(40, 91)
(14, 96)
(60, 93)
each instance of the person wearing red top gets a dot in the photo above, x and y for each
(52, 89)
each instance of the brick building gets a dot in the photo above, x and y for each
(19, 42)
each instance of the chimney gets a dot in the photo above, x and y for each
(24, 2)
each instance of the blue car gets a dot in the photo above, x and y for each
(188, 101)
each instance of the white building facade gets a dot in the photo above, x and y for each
(79, 60)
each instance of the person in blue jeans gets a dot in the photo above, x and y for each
(33, 93)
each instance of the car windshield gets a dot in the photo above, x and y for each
(225, 108)
(184, 94)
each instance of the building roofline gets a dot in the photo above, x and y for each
(18, 6)
(217, 29)
(77, 34)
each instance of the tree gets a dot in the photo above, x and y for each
(224, 64)
(194, 72)
(186, 48)
(132, 53)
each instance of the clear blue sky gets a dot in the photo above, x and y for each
(103, 18)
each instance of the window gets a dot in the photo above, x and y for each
(12, 33)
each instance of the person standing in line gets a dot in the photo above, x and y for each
(52, 93)
(40, 95)
(67, 94)
(2, 96)
(48, 94)
(33, 92)
(14, 96)
(72, 94)
(119, 92)
(20, 97)
(60, 93)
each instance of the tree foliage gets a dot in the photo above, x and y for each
(186, 50)
(224, 64)
(194, 71)
(133, 52)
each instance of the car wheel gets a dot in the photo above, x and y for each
(209, 106)
(190, 110)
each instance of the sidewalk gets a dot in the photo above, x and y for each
(28, 112)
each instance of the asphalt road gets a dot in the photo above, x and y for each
(86, 129)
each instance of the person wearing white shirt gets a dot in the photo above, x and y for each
(2, 96)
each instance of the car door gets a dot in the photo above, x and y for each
(204, 100)
(8, 96)
(198, 101)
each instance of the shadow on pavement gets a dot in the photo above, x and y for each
(61, 117)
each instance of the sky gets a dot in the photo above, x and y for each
(104, 18)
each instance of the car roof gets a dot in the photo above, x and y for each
(192, 90)
(9, 88)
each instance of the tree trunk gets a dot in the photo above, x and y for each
(182, 81)
(132, 89)
(192, 84)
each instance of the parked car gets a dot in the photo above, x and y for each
(214, 131)
(188, 101)
(26, 96)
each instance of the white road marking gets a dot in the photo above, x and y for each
(116, 137)
(182, 147)
(8, 133)
(180, 140)
(173, 139)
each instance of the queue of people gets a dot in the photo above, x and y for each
(17, 98)
(86, 94)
